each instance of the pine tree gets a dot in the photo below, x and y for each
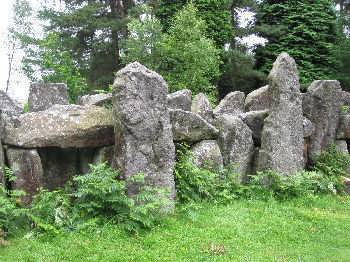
(305, 29)
(91, 30)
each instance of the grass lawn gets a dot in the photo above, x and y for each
(316, 229)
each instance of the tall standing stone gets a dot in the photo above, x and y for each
(236, 144)
(321, 106)
(27, 169)
(143, 133)
(282, 142)
(44, 95)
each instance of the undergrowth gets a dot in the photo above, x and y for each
(100, 197)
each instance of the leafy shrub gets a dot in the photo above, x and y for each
(269, 184)
(51, 211)
(332, 162)
(98, 197)
(196, 184)
(11, 214)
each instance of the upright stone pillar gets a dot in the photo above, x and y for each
(321, 106)
(282, 141)
(28, 171)
(143, 133)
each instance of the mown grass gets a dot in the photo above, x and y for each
(304, 229)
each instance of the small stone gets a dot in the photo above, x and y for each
(96, 100)
(206, 154)
(202, 107)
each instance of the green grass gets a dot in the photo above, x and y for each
(308, 229)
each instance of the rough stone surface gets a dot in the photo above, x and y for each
(143, 137)
(345, 101)
(202, 107)
(207, 154)
(236, 144)
(2, 164)
(308, 127)
(42, 96)
(259, 99)
(255, 121)
(59, 166)
(180, 100)
(95, 100)
(321, 105)
(27, 168)
(282, 142)
(232, 104)
(104, 154)
(344, 127)
(191, 127)
(63, 126)
(346, 182)
(342, 146)
(8, 106)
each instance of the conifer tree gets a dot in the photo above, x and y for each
(305, 29)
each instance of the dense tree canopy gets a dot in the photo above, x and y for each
(305, 29)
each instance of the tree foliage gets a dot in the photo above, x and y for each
(305, 29)
(183, 56)
(215, 13)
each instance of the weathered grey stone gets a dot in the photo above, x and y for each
(27, 168)
(95, 100)
(86, 157)
(207, 154)
(202, 107)
(255, 121)
(343, 131)
(321, 105)
(282, 142)
(346, 183)
(180, 100)
(63, 126)
(259, 99)
(59, 166)
(191, 127)
(232, 104)
(8, 106)
(2, 165)
(345, 102)
(308, 127)
(44, 95)
(143, 137)
(342, 146)
(104, 154)
(236, 144)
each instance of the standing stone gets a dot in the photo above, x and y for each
(342, 146)
(44, 95)
(59, 166)
(28, 171)
(343, 131)
(259, 99)
(143, 133)
(180, 100)
(202, 107)
(236, 144)
(2, 165)
(321, 106)
(232, 104)
(308, 127)
(282, 142)
(207, 154)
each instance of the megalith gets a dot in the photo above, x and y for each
(143, 132)
(282, 138)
